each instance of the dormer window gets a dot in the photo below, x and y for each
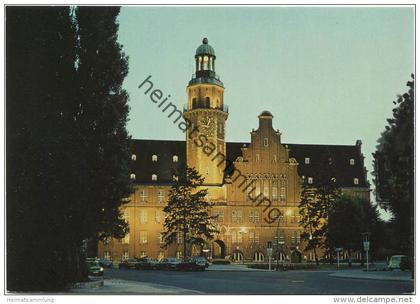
(310, 180)
(154, 158)
(265, 142)
(355, 181)
(133, 157)
(351, 161)
(307, 160)
(175, 158)
(132, 176)
(154, 177)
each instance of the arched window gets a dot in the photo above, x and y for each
(175, 158)
(200, 60)
(351, 161)
(238, 256)
(356, 181)
(133, 157)
(154, 177)
(258, 257)
(205, 63)
(310, 180)
(154, 158)
(132, 176)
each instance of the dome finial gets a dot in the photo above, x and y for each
(205, 41)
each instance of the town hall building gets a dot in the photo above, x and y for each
(255, 186)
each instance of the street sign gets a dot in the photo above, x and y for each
(270, 251)
(366, 245)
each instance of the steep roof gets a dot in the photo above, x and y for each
(165, 168)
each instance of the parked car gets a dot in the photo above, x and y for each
(201, 262)
(94, 268)
(128, 263)
(105, 263)
(146, 263)
(168, 264)
(187, 264)
(398, 262)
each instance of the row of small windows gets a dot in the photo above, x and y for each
(155, 158)
(133, 177)
(311, 180)
(308, 161)
(253, 216)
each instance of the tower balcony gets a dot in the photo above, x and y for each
(202, 104)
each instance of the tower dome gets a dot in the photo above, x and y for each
(205, 65)
(205, 49)
(266, 114)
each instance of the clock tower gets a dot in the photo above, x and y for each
(205, 110)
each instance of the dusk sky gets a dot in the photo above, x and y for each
(328, 75)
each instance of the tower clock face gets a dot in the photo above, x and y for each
(207, 125)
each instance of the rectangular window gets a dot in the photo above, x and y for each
(160, 196)
(307, 160)
(294, 218)
(143, 195)
(356, 181)
(265, 142)
(219, 215)
(125, 255)
(143, 217)
(274, 196)
(266, 188)
(107, 255)
(257, 188)
(143, 237)
(257, 157)
(351, 161)
(254, 216)
(310, 180)
(237, 216)
(179, 237)
(283, 190)
(295, 238)
(157, 217)
(236, 237)
(254, 237)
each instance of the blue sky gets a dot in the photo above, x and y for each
(328, 74)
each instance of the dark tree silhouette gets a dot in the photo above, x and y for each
(394, 170)
(67, 147)
(187, 212)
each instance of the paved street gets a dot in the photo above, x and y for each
(262, 282)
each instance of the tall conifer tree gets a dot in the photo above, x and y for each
(188, 212)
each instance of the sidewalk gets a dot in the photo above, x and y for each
(374, 275)
(115, 286)
(232, 267)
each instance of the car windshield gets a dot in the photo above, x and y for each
(395, 258)
(92, 264)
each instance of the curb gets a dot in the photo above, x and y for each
(371, 278)
(91, 284)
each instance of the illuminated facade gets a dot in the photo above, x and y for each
(255, 185)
